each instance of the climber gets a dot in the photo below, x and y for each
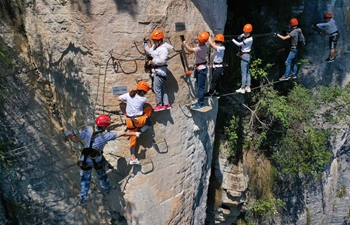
(218, 64)
(92, 154)
(159, 56)
(332, 30)
(201, 69)
(295, 35)
(244, 54)
(137, 113)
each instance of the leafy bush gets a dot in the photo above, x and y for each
(266, 208)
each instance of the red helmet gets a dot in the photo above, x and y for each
(157, 35)
(103, 121)
(142, 86)
(203, 37)
(219, 37)
(248, 28)
(328, 15)
(293, 22)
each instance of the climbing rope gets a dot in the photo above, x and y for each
(253, 35)
(261, 86)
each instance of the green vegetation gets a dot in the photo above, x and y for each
(285, 131)
(257, 71)
(284, 128)
(235, 135)
(266, 208)
(262, 205)
(341, 192)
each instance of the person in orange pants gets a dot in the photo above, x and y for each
(137, 113)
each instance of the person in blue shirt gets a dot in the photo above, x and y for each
(92, 154)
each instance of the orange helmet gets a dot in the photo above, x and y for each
(219, 37)
(248, 28)
(293, 22)
(103, 121)
(328, 15)
(142, 86)
(203, 37)
(157, 35)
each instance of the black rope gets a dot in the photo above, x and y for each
(278, 46)
(318, 30)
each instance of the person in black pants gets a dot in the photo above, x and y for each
(217, 69)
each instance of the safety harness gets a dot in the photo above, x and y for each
(91, 153)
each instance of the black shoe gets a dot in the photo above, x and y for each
(293, 76)
(329, 60)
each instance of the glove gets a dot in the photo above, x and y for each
(240, 37)
(137, 134)
(274, 34)
(182, 38)
(67, 132)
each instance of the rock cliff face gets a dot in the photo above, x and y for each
(69, 55)
(65, 79)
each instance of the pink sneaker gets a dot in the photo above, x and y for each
(159, 108)
(167, 106)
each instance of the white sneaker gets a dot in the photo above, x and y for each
(134, 162)
(240, 90)
(247, 89)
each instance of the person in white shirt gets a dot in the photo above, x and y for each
(217, 69)
(137, 113)
(245, 49)
(331, 28)
(159, 53)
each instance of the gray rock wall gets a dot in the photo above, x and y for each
(67, 80)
